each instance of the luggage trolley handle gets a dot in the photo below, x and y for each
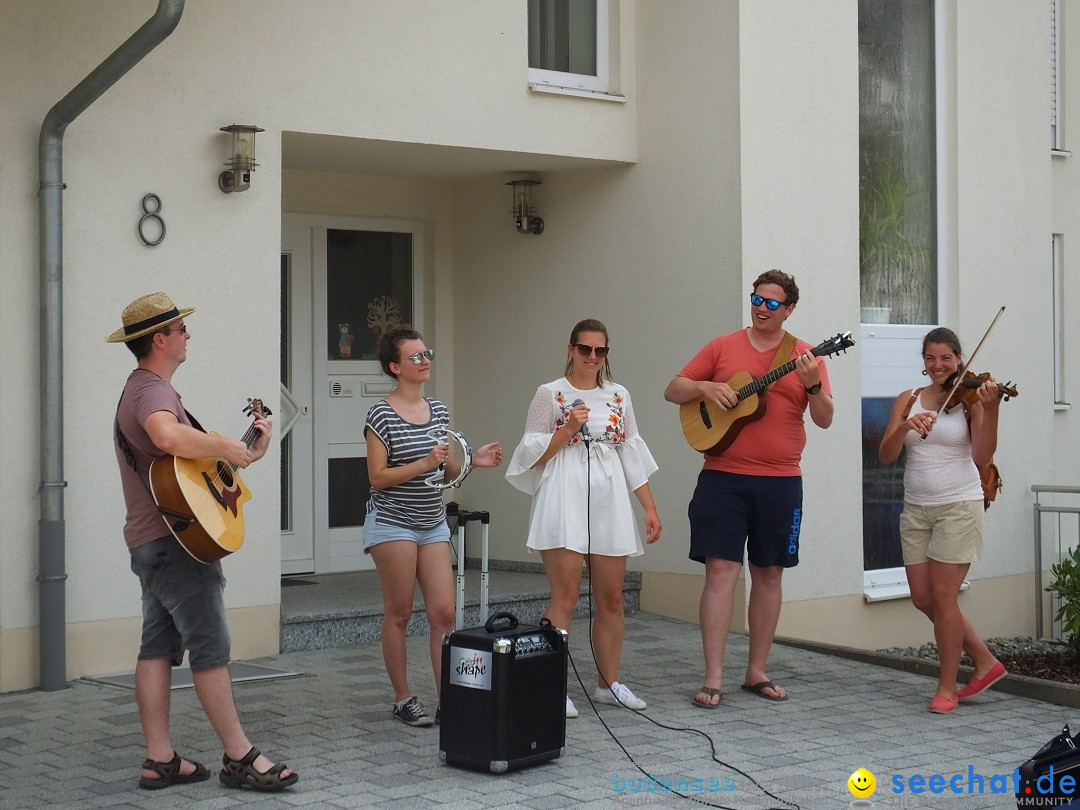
(464, 519)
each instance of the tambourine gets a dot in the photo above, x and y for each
(460, 453)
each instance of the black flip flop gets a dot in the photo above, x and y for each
(711, 692)
(759, 690)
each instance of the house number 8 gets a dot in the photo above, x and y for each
(154, 215)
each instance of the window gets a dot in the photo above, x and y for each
(897, 162)
(568, 44)
(898, 247)
(1055, 71)
(1056, 256)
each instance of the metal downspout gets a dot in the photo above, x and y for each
(51, 576)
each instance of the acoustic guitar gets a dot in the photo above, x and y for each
(711, 429)
(201, 498)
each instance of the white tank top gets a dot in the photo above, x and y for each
(939, 469)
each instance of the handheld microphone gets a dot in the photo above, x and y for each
(585, 426)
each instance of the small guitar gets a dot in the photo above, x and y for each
(711, 429)
(201, 498)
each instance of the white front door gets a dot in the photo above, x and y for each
(358, 278)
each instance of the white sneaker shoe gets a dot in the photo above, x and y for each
(622, 697)
(571, 709)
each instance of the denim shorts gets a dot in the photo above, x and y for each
(183, 605)
(761, 513)
(376, 532)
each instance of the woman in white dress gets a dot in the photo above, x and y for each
(580, 458)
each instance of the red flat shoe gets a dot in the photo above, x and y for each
(941, 704)
(976, 686)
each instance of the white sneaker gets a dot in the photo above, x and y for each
(571, 709)
(622, 697)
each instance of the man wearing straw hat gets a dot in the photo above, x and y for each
(183, 604)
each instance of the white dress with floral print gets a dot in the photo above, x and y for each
(586, 482)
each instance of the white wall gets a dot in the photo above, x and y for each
(739, 139)
(416, 71)
(1065, 177)
(651, 250)
(800, 146)
(1002, 251)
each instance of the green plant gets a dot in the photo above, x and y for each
(892, 264)
(1066, 586)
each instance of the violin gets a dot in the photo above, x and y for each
(967, 392)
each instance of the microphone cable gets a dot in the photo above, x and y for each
(592, 647)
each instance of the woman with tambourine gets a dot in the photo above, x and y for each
(941, 527)
(405, 529)
(580, 458)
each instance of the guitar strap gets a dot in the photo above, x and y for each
(914, 396)
(181, 521)
(783, 352)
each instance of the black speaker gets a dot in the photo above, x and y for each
(1049, 778)
(503, 702)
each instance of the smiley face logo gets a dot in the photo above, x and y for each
(862, 784)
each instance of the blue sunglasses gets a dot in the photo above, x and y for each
(770, 303)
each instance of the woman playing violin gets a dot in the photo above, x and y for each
(941, 527)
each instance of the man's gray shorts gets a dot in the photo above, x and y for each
(183, 605)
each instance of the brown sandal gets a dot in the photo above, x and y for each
(169, 773)
(241, 773)
(710, 692)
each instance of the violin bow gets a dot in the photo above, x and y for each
(967, 365)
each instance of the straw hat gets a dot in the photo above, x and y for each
(145, 315)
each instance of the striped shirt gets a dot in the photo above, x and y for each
(412, 504)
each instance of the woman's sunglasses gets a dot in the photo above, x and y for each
(585, 351)
(770, 303)
(418, 357)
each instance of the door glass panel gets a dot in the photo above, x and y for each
(347, 491)
(897, 162)
(368, 288)
(883, 490)
(286, 442)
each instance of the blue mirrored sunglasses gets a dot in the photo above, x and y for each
(418, 357)
(770, 303)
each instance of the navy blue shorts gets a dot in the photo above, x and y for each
(761, 513)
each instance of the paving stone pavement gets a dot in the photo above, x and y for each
(81, 747)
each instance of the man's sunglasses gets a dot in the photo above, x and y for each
(585, 351)
(418, 357)
(770, 303)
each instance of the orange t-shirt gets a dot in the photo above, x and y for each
(771, 445)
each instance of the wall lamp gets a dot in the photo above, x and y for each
(241, 160)
(523, 211)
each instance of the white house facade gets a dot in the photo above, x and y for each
(705, 141)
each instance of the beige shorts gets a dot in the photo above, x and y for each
(950, 533)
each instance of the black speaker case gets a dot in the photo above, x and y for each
(502, 707)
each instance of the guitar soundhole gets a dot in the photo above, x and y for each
(225, 474)
(705, 415)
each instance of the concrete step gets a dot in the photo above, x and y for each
(330, 611)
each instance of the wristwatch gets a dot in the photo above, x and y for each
(813, 389)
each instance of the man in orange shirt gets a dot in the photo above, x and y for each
(749, 495)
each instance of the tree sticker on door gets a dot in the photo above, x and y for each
(382, 313)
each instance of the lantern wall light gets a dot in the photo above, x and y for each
(241, 160)
(523, 210)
